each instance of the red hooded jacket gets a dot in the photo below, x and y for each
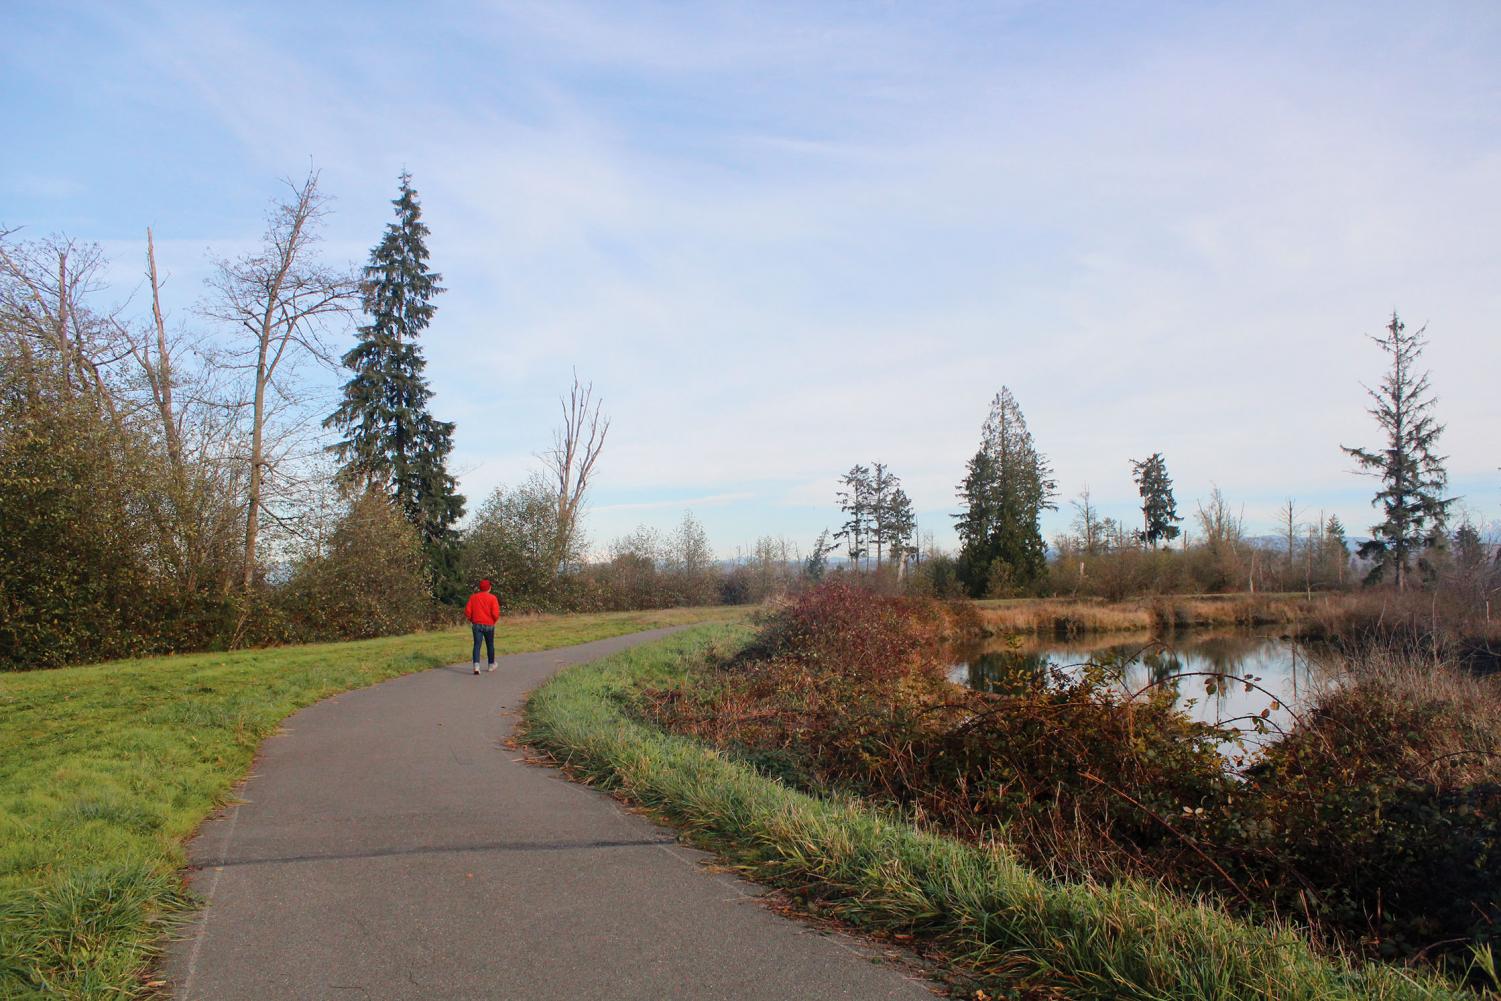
(483, 609)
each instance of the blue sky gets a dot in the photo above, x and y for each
(785, 238)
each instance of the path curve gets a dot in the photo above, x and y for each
(389, 847)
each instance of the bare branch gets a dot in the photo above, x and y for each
(280, 299)
(577, 446)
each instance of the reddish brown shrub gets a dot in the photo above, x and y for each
(846, 629)
(1376, 819)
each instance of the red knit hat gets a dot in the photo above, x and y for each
(484, 585)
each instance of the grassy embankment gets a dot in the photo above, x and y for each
(998, 925)
(106, 770)
(1077, 616)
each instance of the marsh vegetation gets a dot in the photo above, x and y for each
(1366, 812)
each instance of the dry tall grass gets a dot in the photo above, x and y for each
(1459, 741)
(1072, 617)
(1432, 623)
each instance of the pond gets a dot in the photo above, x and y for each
(1284, 670)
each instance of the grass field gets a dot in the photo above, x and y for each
(995, 923)
(106, 770)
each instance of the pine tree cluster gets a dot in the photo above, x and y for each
(880, 521)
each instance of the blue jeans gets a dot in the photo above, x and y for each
(485, 634)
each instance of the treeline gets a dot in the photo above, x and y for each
(181, 479)
(182, 485)
(511, 542)
(1009, 483)
(165, 485)
(188, 485)
(1099, 557)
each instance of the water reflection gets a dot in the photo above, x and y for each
(1206, 668)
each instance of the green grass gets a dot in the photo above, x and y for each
(999, 925)
(106, 770)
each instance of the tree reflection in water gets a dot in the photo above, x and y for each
(1214, 659)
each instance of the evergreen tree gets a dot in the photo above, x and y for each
(1007, 487)
(898, 524)
(390, 439)
(855, 502)
(879, 514)
(1469, 549)
(1474, 573)
(1158, 508)
(881, 485)
(1469, 554)
(1334, 531)
(1411, 472)
(817, 563)
(1334, 551)
(891, 518)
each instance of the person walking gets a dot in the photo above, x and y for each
(483, 611)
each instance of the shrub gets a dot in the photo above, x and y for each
(996, 926)
(851, 686)
(77, 580)
(937, 576)
(514, 542)
(1379, 815)
(846, 629)
(1084, 780)
(370, 580)
(1375, 820)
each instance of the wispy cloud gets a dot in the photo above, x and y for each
(784, 238)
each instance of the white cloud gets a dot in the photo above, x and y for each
(782, 240)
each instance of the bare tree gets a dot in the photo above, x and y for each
(1221, 525)
(1289, 518)
(773, 564)
(45, 286)
(576, 448)
(193, 512)
(154, 355)
(278, 302)
(1087, 523)
(1223, 529)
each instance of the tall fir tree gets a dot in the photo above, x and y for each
(1008, 485)
(899, 523)
(1412, 475)
(855, 502)
(879, 515)
(390, 438)
(1334, 533)
(882, 482)
(1334, 551)
(1159, 510)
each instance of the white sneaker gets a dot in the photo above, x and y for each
(476, 667)
(492, 668)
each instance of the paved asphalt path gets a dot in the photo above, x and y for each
(389, 846)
